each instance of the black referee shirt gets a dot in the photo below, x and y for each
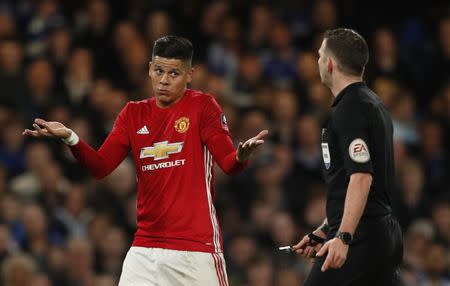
(358, 138)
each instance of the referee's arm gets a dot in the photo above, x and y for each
(352, 124)
(355, 201)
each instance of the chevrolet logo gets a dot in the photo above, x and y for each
(161, 150)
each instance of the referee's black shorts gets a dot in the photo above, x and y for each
(373, 257)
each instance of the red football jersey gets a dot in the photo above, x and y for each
(174, 150)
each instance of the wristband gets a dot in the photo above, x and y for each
(73, 139)
(325, 228)
(315, 238)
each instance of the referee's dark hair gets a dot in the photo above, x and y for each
(349, 49)
(174, 47)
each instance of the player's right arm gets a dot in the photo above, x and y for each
(99, 163)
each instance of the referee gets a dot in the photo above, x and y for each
(360, 242)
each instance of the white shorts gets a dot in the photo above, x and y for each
(165, 267)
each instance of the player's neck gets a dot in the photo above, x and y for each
(341, 81)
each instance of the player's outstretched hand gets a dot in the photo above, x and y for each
(44, 128)
(246, 149)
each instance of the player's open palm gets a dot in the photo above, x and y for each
(44, 128)
(246, 149)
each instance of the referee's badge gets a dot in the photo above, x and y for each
(326, 155)
(358, 151)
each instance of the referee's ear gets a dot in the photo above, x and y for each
(330, 65)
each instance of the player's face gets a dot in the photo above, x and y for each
(169, 79)
(324, 62)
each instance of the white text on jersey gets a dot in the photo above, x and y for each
(163, 165)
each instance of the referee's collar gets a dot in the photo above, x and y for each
(343, 91)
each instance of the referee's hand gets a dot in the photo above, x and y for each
(336, 254)
(308, 248)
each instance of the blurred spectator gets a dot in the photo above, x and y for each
(45, 18)
(74, 215)
(7, 245)
(250, 121)
(324, 15)
(11, 211)
(135, 63)
(36, 234)
(40, 80)
(283, 230)
(307, 74)
(261, 20)
(95, 35)
(37, 157)
(279, 61)
(79, 262)
(223, 54)
(285, 110)
(260, 272)
(434, 155)
(247, 80)
(12, 78)
(404, 120)
(288, 277)
(8, 27)
(18, 270)
(209, 27)
(387, 61)
(315, 207)
(418, 237)
(40, 279)
(59, 46)
(242, 248)
(400, 155)
(158, 24)
(321, 99)
(441, 217)
(411, 201)
(105, 280)
(436, 262)
(387, 89)
(56, 265)
(308, 156)
(440, 106)
(79, 78)
(113, 251)
(12, 145)
(437, 70)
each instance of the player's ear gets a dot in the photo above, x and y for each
(190, 74)
(149, 67)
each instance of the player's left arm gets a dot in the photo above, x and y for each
(215, 135)
(352, 128)
(231, 160)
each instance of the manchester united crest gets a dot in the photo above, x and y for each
(182, 124)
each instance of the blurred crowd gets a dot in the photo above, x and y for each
(79, 62)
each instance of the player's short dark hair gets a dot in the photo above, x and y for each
(349, 48)
(174, 47)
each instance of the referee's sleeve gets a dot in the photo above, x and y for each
(351, 122)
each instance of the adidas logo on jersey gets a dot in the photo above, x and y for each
(143, 130)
